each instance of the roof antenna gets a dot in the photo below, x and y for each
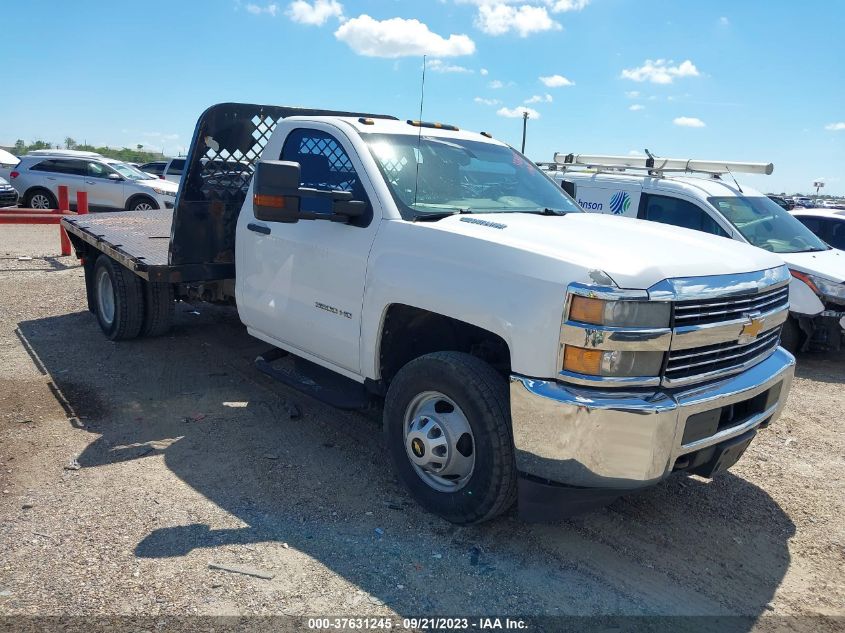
(734, 179)
(418, 157)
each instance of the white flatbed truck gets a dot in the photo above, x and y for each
(522, 349)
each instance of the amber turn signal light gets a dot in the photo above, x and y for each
(587, 310)
(582, 361)
(276, 202)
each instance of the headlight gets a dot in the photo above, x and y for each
(164, 192)
(639, 314)
(611, 364)
(821, 286)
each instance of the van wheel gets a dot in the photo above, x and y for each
(119, 300)
(159, 308)
(792, 337)
(40, 199)
(447, 422)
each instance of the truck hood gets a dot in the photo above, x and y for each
(828, 264)
(635, 253)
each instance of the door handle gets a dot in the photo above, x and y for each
(90, 182)
(258, 228)
(50, 178)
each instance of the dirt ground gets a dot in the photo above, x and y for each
(127, 470)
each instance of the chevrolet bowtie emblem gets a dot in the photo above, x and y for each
(752, 329)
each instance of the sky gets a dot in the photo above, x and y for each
(750, 80)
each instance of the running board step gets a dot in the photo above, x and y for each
(315, 381)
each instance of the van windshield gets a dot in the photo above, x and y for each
(434, 175)
(763, 223)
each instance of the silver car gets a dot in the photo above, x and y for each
(110, 184)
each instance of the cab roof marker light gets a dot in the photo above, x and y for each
(487, 134)
(366, 121)
(438, 126)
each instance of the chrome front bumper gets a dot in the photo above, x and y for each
(594, 438)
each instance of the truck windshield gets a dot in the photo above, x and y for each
(435, 175)
(763, 223)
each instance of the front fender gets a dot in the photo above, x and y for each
(802, 299)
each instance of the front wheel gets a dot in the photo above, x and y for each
(142, 204)
(447, 422)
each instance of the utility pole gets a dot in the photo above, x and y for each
(524, 126)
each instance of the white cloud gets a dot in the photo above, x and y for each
(487, 102)
(635, 152)
(501, 18)
(724, 21)
(632, 94)
(835, 127)
(688, 121)
(484, 72)
(636, 107)
(555, 6)
(398, 37)
(516, 113)
(496, 84)
(546, 98)
(439, 66)
(560, 6)
(270, 9)
(316, 13)
(556, 81)
(661, 71)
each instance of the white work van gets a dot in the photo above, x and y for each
(703, 196)
(519, 347)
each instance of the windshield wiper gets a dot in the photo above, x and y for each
(439, 215)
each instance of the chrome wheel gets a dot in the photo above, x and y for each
(40, 201)
(439, 441)
(143, 206)
(105, 296)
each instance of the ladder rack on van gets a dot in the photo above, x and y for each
(654, 165)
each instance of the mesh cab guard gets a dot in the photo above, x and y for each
(227, 142)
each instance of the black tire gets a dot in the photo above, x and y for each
(141, 201)
(159, 308)
(792, 337)
(128, 298)
(482, 395)
(39, 191)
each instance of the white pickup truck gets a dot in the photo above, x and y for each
(523, 349)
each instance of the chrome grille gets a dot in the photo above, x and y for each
(727, 309)
(695, 364)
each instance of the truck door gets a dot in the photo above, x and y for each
(302, 284)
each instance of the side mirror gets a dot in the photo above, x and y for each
(275, 191)
(113, 176)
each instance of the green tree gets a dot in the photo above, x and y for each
(20, 147)
(70, 143)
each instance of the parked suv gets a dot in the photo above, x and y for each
(8, 195)
(111, 184)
